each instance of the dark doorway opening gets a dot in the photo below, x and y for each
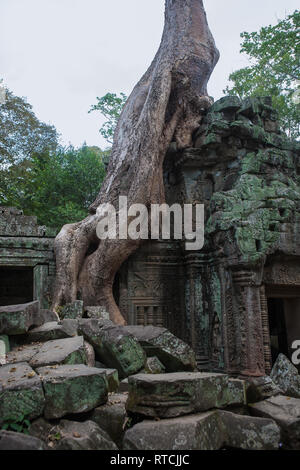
(16, 285)
(278, 329)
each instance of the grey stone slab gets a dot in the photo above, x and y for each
(72, 389)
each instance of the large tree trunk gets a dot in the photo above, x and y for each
(165, 105)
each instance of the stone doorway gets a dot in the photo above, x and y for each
(16, 285)
(284, 319)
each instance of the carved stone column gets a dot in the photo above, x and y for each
(249, 331)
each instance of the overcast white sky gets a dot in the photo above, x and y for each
(61, 54)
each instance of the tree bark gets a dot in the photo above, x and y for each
(165, 105)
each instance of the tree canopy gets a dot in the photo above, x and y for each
(110, 106)
(21, 132)
(274, 55)
(37, 174)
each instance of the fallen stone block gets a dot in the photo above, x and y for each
(193, 432)
(97, 312)
(53, 330)
(72, 389)
(114, 346)
(174, 353)
(17, 319)
(18, 441)
(249, 433)
(260, 388)
(71, 435)
(154, 366)
(73, 310)
(211, 430)
(175, 394)
(285, 411)
(285, 375)
(111, 417)
(60, 351)
(21, 393)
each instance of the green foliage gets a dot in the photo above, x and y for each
(274, 55)
(21, 424)
(110, 106)
(21, 133)
(57, 187)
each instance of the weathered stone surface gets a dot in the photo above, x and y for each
(114, 346)
(72, 389)
(174, 354)
(23, 353)
(285, 375)
(236, 392)
(260, 388)
(112, 416)
(89, 354)
(285, 411)
(211, 430)
(16, 441)
(21, 393)
(60, 351)
(17, 319)
(193, 432)
(73, 310)
(53, 330)
(97, 312)
(175, 394)
(72, 435)
(45, 316)
(154, 366)
(81, 436)
(4, 348)
(124, 386)
(226, 103)
(112, 377)
(248, 433)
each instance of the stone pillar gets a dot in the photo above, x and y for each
(249, 329)
(196, 312)
(40, 285)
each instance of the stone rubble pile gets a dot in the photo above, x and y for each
(60, 381)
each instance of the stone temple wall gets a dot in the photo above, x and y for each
(246, 173)
(236, 301)
(27, 264)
